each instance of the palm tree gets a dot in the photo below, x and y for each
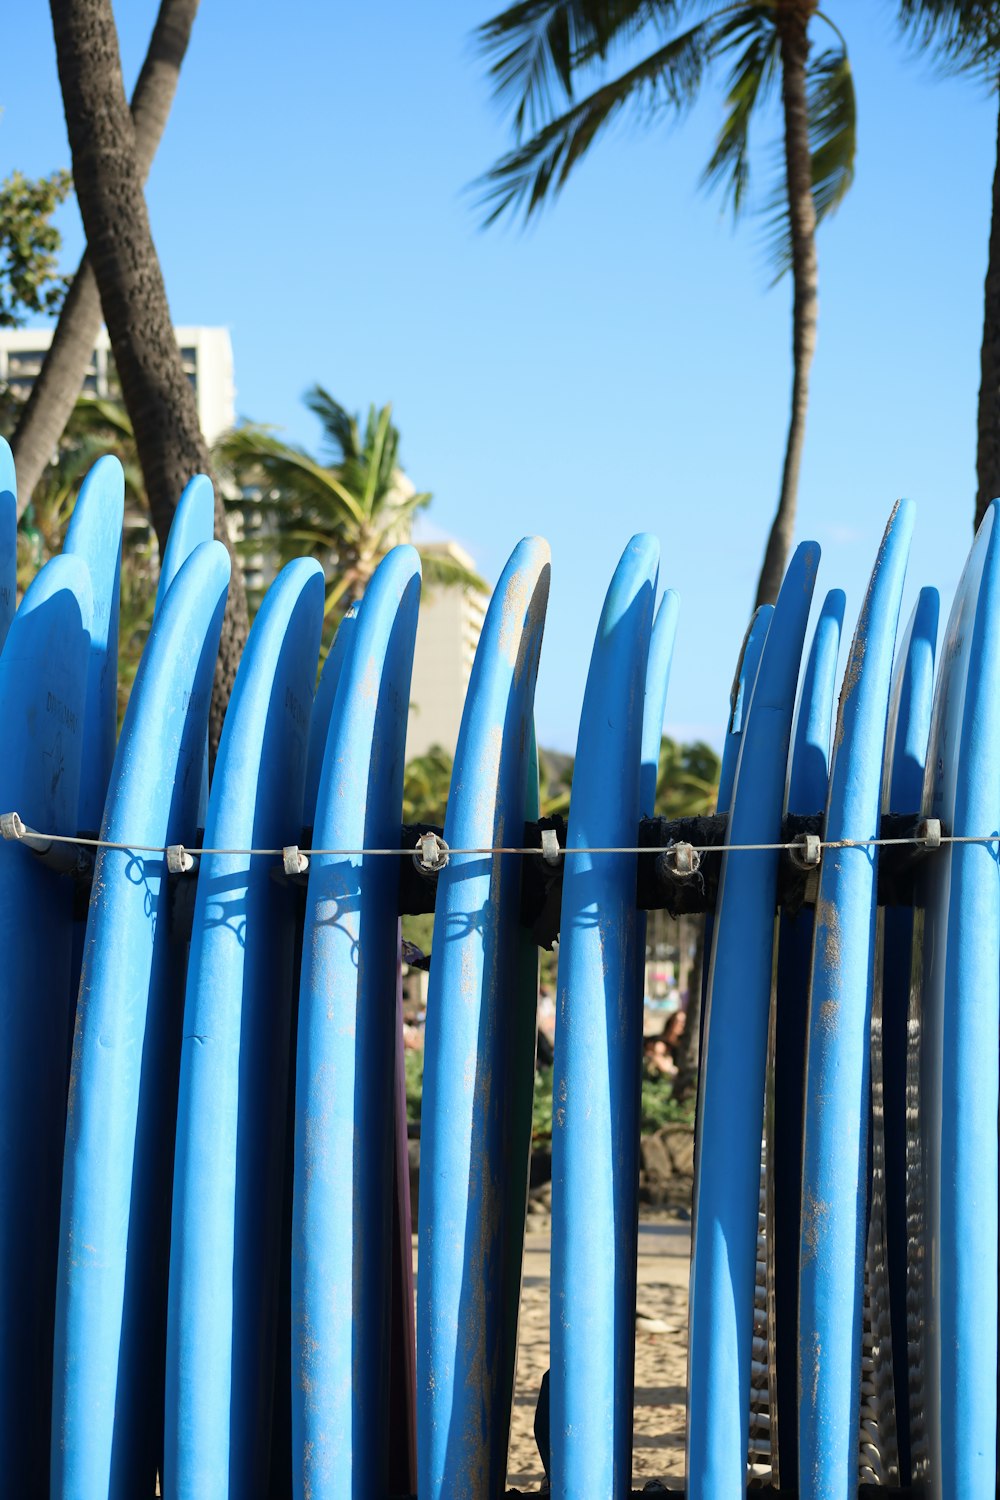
(965, 35)
(50, 404)
(108, 175)
(540, 49)
(349, 510)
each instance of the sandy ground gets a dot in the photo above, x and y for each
(660, 1358)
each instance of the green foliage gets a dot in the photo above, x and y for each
(687, 783)
(963, 35)
(413, 1064)
(29, 246)
(659, 1107)
(541, 1108)
(539, 49)
(347, 509)
(426, 781)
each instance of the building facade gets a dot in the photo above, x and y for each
(207, 354)
(451, 622)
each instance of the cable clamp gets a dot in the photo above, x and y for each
(430, 853)
(11, 826)
(679, 862)
(179, 861)
(807, 851)
(928, 831)
(293, 860)
(551, 853)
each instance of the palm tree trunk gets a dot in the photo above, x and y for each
(47, 410)
(109, 190)
(792, 21)
(988, 454)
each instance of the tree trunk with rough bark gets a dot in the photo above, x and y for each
(792, 20)
(109, 190)
(53, 396)
(988, 452)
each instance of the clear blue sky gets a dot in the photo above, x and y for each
(620, 367)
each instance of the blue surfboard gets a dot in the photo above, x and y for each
(959, 1017)
(476, 1050)
(730, 1120)
(95, 535)
(43, 676)
(890, 1250)
(8, 539)
(597, 1060)
(808, 785)
(193, 523)
(346, 1060)
(107, 1422)
(835, 1155)
(232, 1104)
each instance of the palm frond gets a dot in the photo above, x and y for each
(753, 75)
(340, 428)
(441, 571)
(537, 170)
(381, 442)
(832, 142)
(963, 35)
(535, 47)
(250, 450)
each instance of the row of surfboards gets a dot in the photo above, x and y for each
(205, 1269)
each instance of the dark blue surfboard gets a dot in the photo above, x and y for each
(597, 1058)
(476, 1051)
(730, 1120)
(8, 539)
(808, 784)
(232, 1104)
(107, 1424)
(835, 1154)
(346, 1060)
(43, 678)
(910, 707)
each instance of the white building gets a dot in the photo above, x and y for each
(451, 621)
(208, 363)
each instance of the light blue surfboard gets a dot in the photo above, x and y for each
(476, 1051)
(598, 1041)
(8, 539)
(43, 676)
(808, 785)
(193, 524)
(232, 1104)
(107, 1423)
(95, 535)
(346, 1059)
(835, 1154)
(959, 1018)
(730, 1121)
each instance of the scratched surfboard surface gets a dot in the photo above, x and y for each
(730, 1121)
(107, 1425)
(346, 1059)
(232, 1105)
(835, 1152)
(43, 677)
(597, 1058)
(958, 1019)
(808, 782)
(477, 1048)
